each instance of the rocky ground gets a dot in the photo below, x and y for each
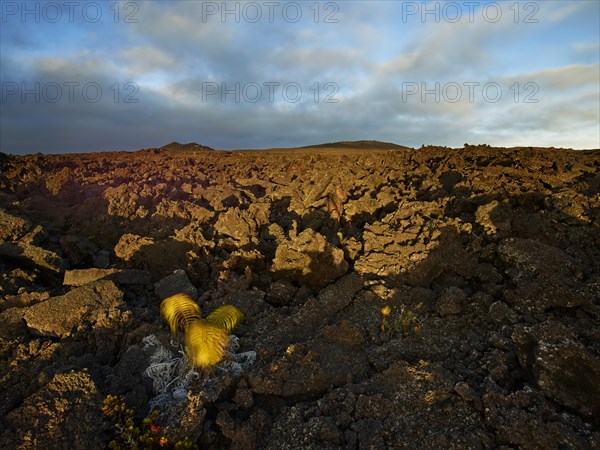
(395, 298)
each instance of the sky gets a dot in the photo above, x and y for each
(84, 76)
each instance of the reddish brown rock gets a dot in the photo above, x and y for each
(309, 259)
(63, 315)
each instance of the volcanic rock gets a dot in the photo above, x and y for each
(451, 301)
(35, 236)
(494, 217)
(32, 257)
(78, 250)
(12, 227)
(482, 261)
(61, 316)
(121, 276)
(309, 259)
(565, 370)
(177, 283)
(545, 276)
(310, 369)
(64, 414)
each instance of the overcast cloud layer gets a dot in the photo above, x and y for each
(92, 76)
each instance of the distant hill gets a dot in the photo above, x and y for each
(373, 145)
(176, 146)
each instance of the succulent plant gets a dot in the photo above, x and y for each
(206, 340)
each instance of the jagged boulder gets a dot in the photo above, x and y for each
(80, 277)
(176, 283)
(565, 370)
(32, 257)
(12, 227)
(64, 414)
(309, 259)
(545, 276)
(61, 316)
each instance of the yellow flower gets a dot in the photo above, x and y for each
(386, 311)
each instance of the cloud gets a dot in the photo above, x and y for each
(558, 11)
(141, 60)
(374, 59)
(572, 77)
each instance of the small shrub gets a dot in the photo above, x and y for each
(131, 435)
(400, 321)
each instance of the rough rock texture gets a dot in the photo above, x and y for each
(494, 217)
(450, 301)
(309, 259)
(176, 283)
(32, 256)
(544, 275)
(12, 323)
(12, 227)
(395, 298)
(130, 245)
(566, 371)
(63, 414)
(79, 251)
(59, 316)
(122, 276)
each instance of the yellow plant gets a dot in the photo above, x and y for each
(179, 310)
(206, 339)
(404, 321)
(226, 317)
(205, 343)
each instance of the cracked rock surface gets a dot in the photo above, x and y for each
(395, 298)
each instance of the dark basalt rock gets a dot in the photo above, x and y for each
(395, 298)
